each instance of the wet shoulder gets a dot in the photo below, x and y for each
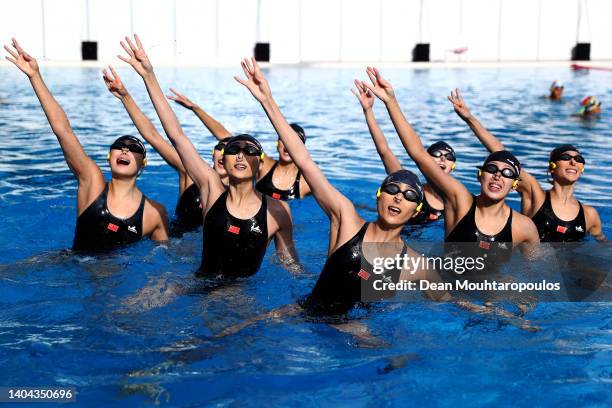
(523, 228)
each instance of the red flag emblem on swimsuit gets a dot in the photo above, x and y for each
(276, 196)
(484, 245)
(363, 275)
(234, 230)
(561, 229)
(112, 227)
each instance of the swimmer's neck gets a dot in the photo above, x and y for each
(286, 165)
(225, 180)
(241, 192)
(562, 192)
(122, 188)
(379, 232)
(488, 207)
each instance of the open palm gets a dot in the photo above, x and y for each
(137, 56)
(180, 99)
(256, 83)
(24, 61)
(380, 87)
(460, 107)
(364, 95)
(113, 83)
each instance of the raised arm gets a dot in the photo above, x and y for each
(201, 173)
(87, 172)
(530, 190)
(331, 200)
(486, 138)
(454, 191)
(143, 124)
(214, 126)
(366, 99)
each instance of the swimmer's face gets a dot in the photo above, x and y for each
(567, 171)
(442, 161)
(556, 93)
(283, 154)
(125, 163)
(593, 111)
(494, 186)
(241, 166)
(217, 160)
(395, 210)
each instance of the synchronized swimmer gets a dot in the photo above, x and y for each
(242, 198)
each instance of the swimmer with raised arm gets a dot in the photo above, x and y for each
(280, 179)
(188, 209)
(238, 222)
(557, 214)
(110, 214)
(441, 152)
(338, 289)
(485, 218)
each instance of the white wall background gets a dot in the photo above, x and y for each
(218, 31)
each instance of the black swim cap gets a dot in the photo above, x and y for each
(440, 145)
(299, 130)
(504, 156)
(132, 139)
(406, 177)
(243, 137)
(559, 150)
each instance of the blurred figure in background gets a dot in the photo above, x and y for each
(556, 90)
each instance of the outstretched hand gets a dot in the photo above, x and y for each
(380, 87)
(113, 82)
(137, 57)
(256, 83)
(365, 96)
(460, 107)
(181, 99)
(24, 61)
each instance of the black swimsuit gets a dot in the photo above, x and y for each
(426, 215)
(553, 229)
(497, 248)
(98, 229)
(339, 287)
(233, 247)
(189, 209)
(266, 186)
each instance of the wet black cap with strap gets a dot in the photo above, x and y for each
(406, 177)
(504, 156)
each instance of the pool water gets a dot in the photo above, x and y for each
(73, 321)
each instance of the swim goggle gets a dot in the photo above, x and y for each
(506, 172)
(132, 147)
(439, 153)
(393, 189)
(247, 149)
(567, 157)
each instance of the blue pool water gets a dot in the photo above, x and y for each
(69, 320)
